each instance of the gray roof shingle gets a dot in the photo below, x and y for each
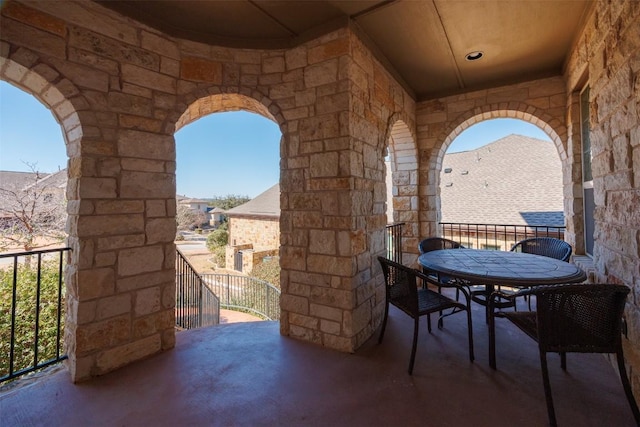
(266, 204)
(514, 180)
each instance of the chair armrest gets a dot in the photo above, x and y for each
(459, 285)
(497, 295)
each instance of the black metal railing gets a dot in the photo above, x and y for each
(196, 304)
(394, 241)
(499, 237)
(245, 293)
(32, 300)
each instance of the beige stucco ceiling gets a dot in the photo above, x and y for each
(423, 42)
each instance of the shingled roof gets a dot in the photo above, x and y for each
(266, 204)
(11, 180)
(514, 180)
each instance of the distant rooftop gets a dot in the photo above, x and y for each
(21, 180)
(514, 180)
(266, 204)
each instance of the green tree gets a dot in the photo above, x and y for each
(229, 201)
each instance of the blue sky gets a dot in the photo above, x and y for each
(220, 154)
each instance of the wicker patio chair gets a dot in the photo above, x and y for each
(404, 292)
(571, 318)
(433, 244)
(545, 246)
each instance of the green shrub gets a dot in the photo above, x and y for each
(269, 271)
(217, 238)
(219, 256)
(25, 315)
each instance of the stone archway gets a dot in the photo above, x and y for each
(553, 131)
(47, 92)
(404, 185)
(251, 237)
(225, 102)
(43, 85)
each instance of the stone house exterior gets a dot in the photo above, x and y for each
(120, 89)
(254, 230)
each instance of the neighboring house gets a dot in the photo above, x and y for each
(53, 186)
(216, 217)
(196, 205)
(254, 230)
(516, 180)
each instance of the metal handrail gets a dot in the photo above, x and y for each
(35, 292)
(394, 242)
(197, 305)
(246, 294)
(496, 236)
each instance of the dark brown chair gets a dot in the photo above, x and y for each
(437, 243)
(574, 318)
(545, 246)
(403, 290)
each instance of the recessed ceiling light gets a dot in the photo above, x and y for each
(474, 56)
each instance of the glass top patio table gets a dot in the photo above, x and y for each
(487, 267)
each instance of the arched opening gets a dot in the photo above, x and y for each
(33, 198)
(402, 187)
(34, 176)
(501, 181)
(227, 171)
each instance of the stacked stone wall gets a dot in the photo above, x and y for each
(261, 233)
(120, 90)
(607, 59)
(333, 214)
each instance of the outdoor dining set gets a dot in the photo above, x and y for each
(562, 314)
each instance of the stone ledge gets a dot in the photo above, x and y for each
(587, 265)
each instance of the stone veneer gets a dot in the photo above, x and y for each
(259, 234)
(607, 59)
(120, 90)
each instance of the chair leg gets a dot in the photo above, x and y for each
(384, 321)
(627, 386)
(547, 389)
(470, 328)
(563, 360)
(492, 341)
(415, 342)
(429, 322)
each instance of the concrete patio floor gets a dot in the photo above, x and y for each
(247, 374)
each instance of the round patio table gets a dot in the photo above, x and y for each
(499, 268)
(514, 269)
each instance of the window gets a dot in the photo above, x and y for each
(587, 177)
